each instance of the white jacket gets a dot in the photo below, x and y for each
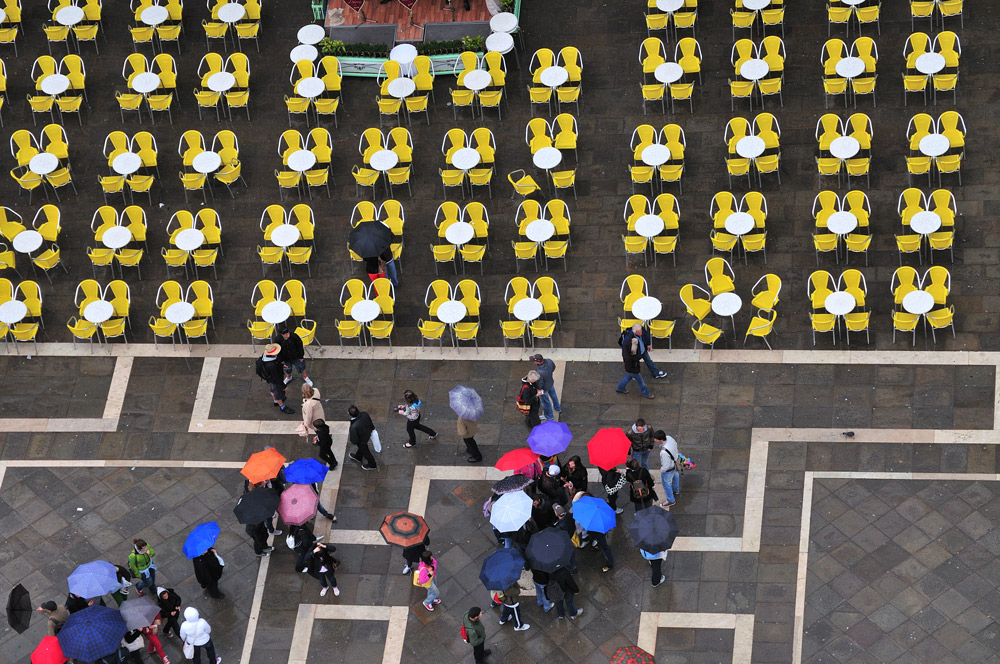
(195, 630)
(666, 463)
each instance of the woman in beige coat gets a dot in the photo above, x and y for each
(467, 432)
(312, 409)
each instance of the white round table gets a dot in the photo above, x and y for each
(649, 225)
(655, 154)
(26, 241)
(750, 147)
(754, 69)
(668, 72)
(154, 16)
(503, 22)
(646, 308)
(301, 160)
(310, 87)
(465, 158)
(844, 147)
(233, 12)
(554, 76)
(852, 3)
(929, 63)
(145, 82)
(726, 304)
(404, 54)
(3, 16)
(311, 34)
(383, 160)
(277, 312)
(221, 81)
(285, 235)
(755, 5)
(69, 15)
(98, 311)
(850, 67)
(459, 233)
(527, 309)
(303, 52)
(365, 311)
(126, 163)
(934, 145)
(116, 237)
(179, 313)
(669, 6)
(840, 303)
(189, 239)
(739, 223)
(842, 222)
(540, 230)
(43, 163)
(451, 312)
(206, 162)
(12, 311)
(918, 302)
(500, 42)
(547, 158)
(55, 84)
(925, 222)
(476, 80)
(401, 87)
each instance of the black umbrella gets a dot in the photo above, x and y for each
(369, 239)
(550, 549)
(654, 529)
(19, 609)
(511, 483)
(257, 506)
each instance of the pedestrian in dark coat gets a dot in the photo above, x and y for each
(574, 473)
(562, 582)
(359, 434)
(529, 397)
(170, 610)
(636, 473)
(208, 571)
(292, 354)
(631, 354)
(511, 601)
(305, 540)
(324, 441)
(258, 533)
(269, 369)
(411, 554)
(322, 566)
(614, 482)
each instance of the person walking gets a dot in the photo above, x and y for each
(670, 477)
(640, 485)
(292, 355)
(427, 574)
(563, 585)
(125, 579)
(319, 506)
(324, 441)
(359, 434)
(511, 600)
(323, 566)
(258, 534)
(170, 609)
(467, 432)
(411, 411)
(529, 399)
(541, 579)
(641, 436)
(130, 648)
(208, 569)
(153, 644)
(646, 341)
(630, 358)
(614, 482)
(550, 401)
(312, 410)
(195, 631)
(269, 370)
(140, 562)
(475, 633)
(656, 563)
(304, 541)
(412, 554)
(57, 614)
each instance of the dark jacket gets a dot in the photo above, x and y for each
(75, 603)
(578, 477)
(565, 580)
(542, 514)
(645, 337)
(169, 601)
(540, 577)
(643, 475)
(411, 554)
(545, 370)
(614, 482)
(272, 372)
(315, 560)
(361, 429)
(553, 488)
(567, 523)
(640, 441)
(630, 361)
(323, 438)
(291, 348)
(530, 396)
(512, 595)
(207, 569)
(474, 629)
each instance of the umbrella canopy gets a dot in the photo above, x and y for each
(632, 655)
(519, 458)
(256, 506)
(511, 483)
(502, 569)
(370, 239)
(511, 511)
(404, 529)
(305, 471)
(263, 465)
(139, 612)
(550, 549)
(298, 504)
(594, 514)
(653, 529)
(200, 540)
(608, 448)
(92, 633)
(549, 438)
(19, 609)
(48, 652)
(466, 402)
(93, 579)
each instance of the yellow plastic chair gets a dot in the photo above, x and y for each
(81, 329)
(381, 329)
(940, 319)
(215, 30)
(462, 98)
(909, 244)
(822, 323)
(349, 329)
(904, 322)
(24, 332)
(635, 245)
(513, 330)
(542, 329)
(444, 253)
(538, 96)
(193, 182)
(653, 92)
(431, 331)
(522, 183)
(246, 31)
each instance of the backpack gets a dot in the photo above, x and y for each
(261, 372)
(639, 489)
(523, 399)
(465, 634)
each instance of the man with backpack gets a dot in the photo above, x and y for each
(550, 401)
(474, 633)
(640, 484)
(270, 371)
(529, 399)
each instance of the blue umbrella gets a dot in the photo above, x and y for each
(594, 514)
(93, 579)
(549, 438)
(201, 539)
(502, 569)
(305, 471)
(92, 633)
(466, 403)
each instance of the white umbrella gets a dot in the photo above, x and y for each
(511, 511)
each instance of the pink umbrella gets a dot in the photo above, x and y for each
(298, 504)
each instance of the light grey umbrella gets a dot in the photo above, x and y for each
(139, 612)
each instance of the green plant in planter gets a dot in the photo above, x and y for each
(507, 5)
(329, 46)
(473, 43)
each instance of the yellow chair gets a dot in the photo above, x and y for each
(823, 322)
(114, 327)
(270, 256)
(389, 107)
(472, 253)
(129, 258)
(8, 35)
(414, 104)
(27, 181)
(246, 31)
(259, 331)
(464, 99)
(364, 177)
(297, 106)
(524, 251)
(56, 34)
(466, 332)
(215, 30)
(909, 244)
(949, 9)
(940, 319)
(522, 183)
(652, 92)
(513, 330)
(431, 331)
(444, 253)
(740, 90)
(918, 166)
(538, 96)
(555, 249)
(665, 244)
(826, 243)
(904, 322)
(349, 329)
(196, 329)
(41, 104)
(288, 181)
(761, 326)
(542, 329)
(8, 259)
(857, 243)
(81, 329)
(941, 241)
(635, 245)
(564, 180)
(706, 334)
(381, 329)
(858, 322)
(452, 177)
(696, 306)
(642, 175)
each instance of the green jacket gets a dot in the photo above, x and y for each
(139, 562)
(475, 629)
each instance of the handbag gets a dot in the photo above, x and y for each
(222, 563)
(301, 430)
(188, 650)
(376, 440)
(426, 584)
(577, 540)
(290, 541)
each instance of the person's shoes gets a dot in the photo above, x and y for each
(364, 467)
(543, 419)
(619, 510)
(268, 549)
(333, 467)
(579, 612)
(502, 622)
(523, 627)
(287, 410)
(436, 602)
(354, 458)
(487, 652)
(288, 379)
(319, 537)
(649, 396)
(429, 607)
(166, 660)
(332, 517)
(263, 555)
(662, 579)
(605, 569)
(275, 404)
(308, 381)
(336, 591)
(560, 617)
(276, 532)
(406, 569)
(625, 391)
(548, 608)
(474, 459)
(667, 504)
(219, 596)
(322, 593)
(432, 437)
(662, 374)
(409, 445)
(218, 660)
(139, 591)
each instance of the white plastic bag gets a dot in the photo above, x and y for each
(376, 440)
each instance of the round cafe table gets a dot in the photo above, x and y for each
(43, 163)
(221, 81)
(754, 69)
(303, 52)
(750, 147)
(925, 222)
(842, 222)
(755, 5)
(934, 145)
(669, 6)
(476, 80)
(844, 147)
(383, 160)
(527, 309)
(459, 233)
(301, 160)
(13, 311)
(285, 235)
(451, 312)
(116, 237)
(69, 15)
(401, 87)
(646, 308)
(310, 87)
(126, 163)
(276, 312)
(179, 313)
(98, 311)
(554, 76)
(668, 72)
(189, 239)
(655, 154)
(154, 16)
(840, 303)
(739, 223)
(232, 12)
(55, 84)
(649, 225)
(500, 42)
(365, 311)
(547, 158)
(404, 54)
(311, 34)
(465, 158)
(930, 63)
(503, 22)
(3, 16)
(145, 82)
(850, 67)
(540, 230)
(727, 304)
(918, 302)
(206, 162)
(26, 242)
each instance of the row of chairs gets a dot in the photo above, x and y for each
(199, 295)
(389, 213)
(329, 71)
(820, 285)
(940, 9)
(826, 204)
(236, 97)
(666, 207)
(117, 293)
(302, 218)
(440, 291)
(633, 287)
(937, 282)
(747, 19)
(949, 124)
(684, 18)
(653, 54)
(839, 12)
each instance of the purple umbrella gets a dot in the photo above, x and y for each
(549, 438)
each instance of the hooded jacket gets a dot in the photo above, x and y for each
(291, 348)
(195, 629)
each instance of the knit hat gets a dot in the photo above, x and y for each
(272, 349)
(553, 470)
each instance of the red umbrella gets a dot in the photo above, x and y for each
(608, 448)
(298, 504)
(48, 652)
(263, 465)
(632, 655)
(404, 529)
(515, 459)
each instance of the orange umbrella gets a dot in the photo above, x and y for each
(263, 465)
